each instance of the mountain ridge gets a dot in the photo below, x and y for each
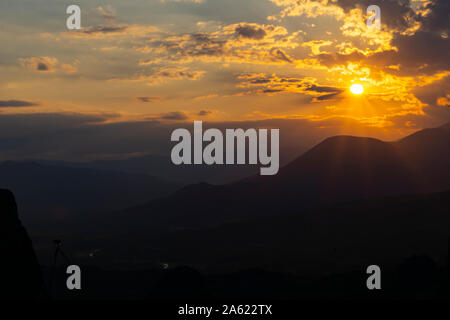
(338, 169)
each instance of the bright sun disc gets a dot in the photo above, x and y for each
(357, 89)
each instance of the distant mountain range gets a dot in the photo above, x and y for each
(57, 193)
(162, 167)
(330, 238)
(339, 169)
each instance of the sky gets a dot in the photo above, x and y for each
(138, 69)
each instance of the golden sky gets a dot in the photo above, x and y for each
(234, 60)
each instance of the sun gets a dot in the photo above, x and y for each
(356, 89)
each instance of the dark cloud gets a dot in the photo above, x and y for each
(260, 81)
(250, 32)
(272, 84)
(205, 46)
(105, 29)
(86, 137)
(333, 92)
(421, 53)
(16, 103)
(202, 44)
(327, 96)
(204, 113)
(98, 30)
(424, 52)
(42, 67)
(396, 14)
(39, 121)
(272, 90)
(176, 115)
(317, 88)
(431, 95)
(329, 59)
(438, 19)
(107, 13)
(55, 135)
(149, 99)
(280, 55)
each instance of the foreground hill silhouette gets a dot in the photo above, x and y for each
(321, 253)
(339, 169)
(334, 238)
(20, 271)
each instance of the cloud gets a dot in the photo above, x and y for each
(443, 101)
(108, 13)
(17, 103)
(42, 64)
(273, 84)
(434, 16)
(209, 96)
(414, 40)
(234, 43)
(68, 69)
(112, 31)
(163, 74)
(396, 14)
(422, 53)
(328, 96)
(30, 135)
(149, 99)
(204, 113)
(316, 45)
(42, 67)
(250, 32)
(98, 32)
(176, 115)
(86, 137)
(409, 52)
(46, 64)
(436, 96)
(194, 1)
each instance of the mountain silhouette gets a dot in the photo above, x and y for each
(162, 166)
(52, 192)
(427, 151)
(339, 169)
(21, 274)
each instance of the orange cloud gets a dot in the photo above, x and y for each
(444, 101)
(46, 64)
(112, 31)
(235, 43)
(164, 74)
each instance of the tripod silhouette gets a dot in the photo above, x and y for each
(58, 252)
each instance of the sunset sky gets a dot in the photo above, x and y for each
(143, 64)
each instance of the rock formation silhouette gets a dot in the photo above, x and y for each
(19, 269)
